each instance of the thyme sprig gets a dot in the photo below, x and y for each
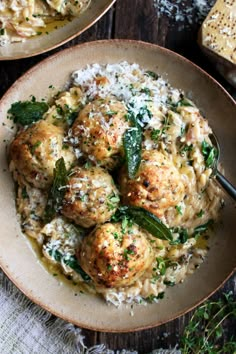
(204, 333)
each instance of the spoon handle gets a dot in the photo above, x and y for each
(227, 186)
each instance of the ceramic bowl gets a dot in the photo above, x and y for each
(43, 43)
(17, 257)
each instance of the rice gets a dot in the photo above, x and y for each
(171, 124)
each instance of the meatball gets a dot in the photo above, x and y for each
(91, 197)
(157, 186)
(34, 152)
(99, 129)
(115, 256)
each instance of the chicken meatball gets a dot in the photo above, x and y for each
(34, 152)
(157, 186)
(91, 196)
(115, 256)
(99, 129)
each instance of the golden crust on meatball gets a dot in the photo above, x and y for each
(114, 256)
(99, 129)
(34, 152)
(157, 186)
(91, 196)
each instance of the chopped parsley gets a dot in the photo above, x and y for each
(152, 74)
(179, 209)
(155, 134)
(113, 201)
(201, 213)
(210, 154)
(35, 146)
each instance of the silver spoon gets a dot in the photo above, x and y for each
(224, 183)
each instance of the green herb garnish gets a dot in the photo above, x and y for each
(201, 213)
(58, 189)
(27, 112)
(152, 74)
(202, 228)
(169, 283)
(35, 146)
(73, 264)
(132, 140)
(204, 332)
(210, 154)
(146, 90)
(113, 200)
(145, 220)
(179, 209)
(183, 102)
(183, 235)
(24, 193)
(133, 145)
(153, 298)
(70, 261)
(155, 134)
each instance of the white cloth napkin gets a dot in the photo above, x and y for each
(25, 328)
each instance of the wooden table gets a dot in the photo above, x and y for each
(134, 19)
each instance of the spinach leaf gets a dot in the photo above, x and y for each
(183, 235)
(58, 189)
(145, 220)
(210, 154)
(70, 261)
(73, 264)
(27, 112)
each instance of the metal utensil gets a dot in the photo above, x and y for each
(224, 183)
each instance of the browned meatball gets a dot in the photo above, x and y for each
(114, 256)
(157, 185)
(91, 198)
(34, 152)
(99, 129)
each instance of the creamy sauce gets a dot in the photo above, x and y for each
(56, 271)
(50, 27)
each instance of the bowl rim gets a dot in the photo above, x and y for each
(51, 58)
(66, 40)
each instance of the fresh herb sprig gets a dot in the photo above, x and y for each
(203, 334)
(145, 220)
(133, 145)
(132, 140)
(57, 191)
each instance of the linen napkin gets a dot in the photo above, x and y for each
(25, 328)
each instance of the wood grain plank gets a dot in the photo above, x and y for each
(136, 19)
(165, 336)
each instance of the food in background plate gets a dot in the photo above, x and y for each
(114, 183)
(27, 18)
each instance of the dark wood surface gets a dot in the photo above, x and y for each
(135, 19)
